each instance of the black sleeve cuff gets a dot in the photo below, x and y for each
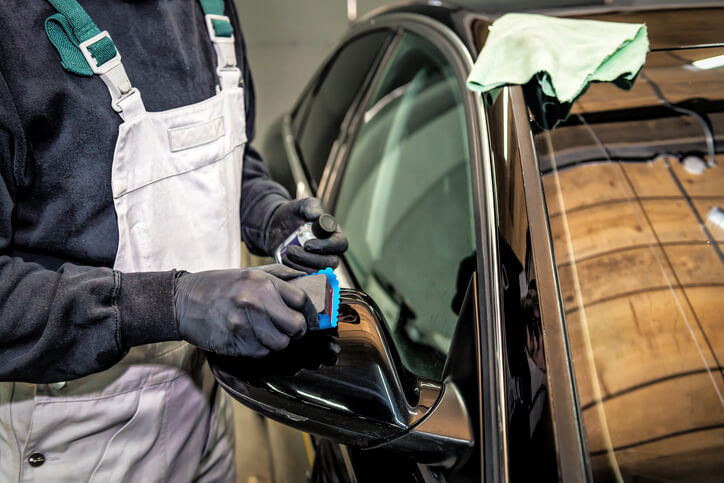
(256, 237)
(146, 306)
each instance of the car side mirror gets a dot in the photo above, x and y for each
(361, 397)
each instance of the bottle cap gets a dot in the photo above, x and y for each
(324, 226)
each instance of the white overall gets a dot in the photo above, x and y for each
(156, 416)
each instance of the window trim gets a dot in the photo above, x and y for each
(573, 459)
(351, 124)
(300, 169)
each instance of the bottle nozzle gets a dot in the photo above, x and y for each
(324, 226)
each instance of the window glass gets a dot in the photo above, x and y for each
(634, 186)
(405, 203)
(317, 120)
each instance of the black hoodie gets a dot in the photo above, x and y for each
(64, 313)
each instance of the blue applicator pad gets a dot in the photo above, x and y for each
(323, 290)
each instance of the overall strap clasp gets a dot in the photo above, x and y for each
(85, 50)
(112, 72)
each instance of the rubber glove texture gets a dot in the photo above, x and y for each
(317, 254)
(242, 312)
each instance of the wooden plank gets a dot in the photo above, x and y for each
(600, 229)
(696, 264)
(673, 76)
(655, 411)
(708, 305)
(635, 339)
(614, 274)
(673, 221)
(635, 139)
(695, 456)
(651, 179)
(586, 185)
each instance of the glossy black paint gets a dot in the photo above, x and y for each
(530, 437)
(361, 396)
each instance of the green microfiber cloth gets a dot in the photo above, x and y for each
(556, 59)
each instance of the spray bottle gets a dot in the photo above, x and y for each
(321, 228)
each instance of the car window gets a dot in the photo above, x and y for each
(634, 187)
(405, 203)
(316, 121)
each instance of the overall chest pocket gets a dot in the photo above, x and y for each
(160, 145)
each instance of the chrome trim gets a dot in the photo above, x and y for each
(443, 421)
(295, 164)
(427, 475)
(495, 466)
(288, 133)
(350, 125)
(342, 273)
(391, 9)
(574, 464)
(443, 436)
(339, 147)
(348, 463)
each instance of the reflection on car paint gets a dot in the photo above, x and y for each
(641, 273)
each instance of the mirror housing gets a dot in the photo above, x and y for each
(361, 397)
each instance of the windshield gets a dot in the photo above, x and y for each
(634, 187)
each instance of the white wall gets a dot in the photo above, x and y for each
(287, 40)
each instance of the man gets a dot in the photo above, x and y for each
(126, 186)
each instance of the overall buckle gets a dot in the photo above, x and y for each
(224, 46)
(212, 32)
(112, 72)
(92, 62)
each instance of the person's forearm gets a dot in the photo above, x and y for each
(260, 197)
(63, 325)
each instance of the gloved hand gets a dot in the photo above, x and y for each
(316, 254)
(242, 312)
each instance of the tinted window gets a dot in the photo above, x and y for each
(634, 185)
(405, 203)
(319, 116)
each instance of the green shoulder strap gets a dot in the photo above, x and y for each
(72, 26)
(68, 28)
(222, 26)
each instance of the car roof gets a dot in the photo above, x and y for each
(669, 26)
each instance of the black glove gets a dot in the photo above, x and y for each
(316, 254)
(243, 312)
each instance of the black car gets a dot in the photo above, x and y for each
(523, 305)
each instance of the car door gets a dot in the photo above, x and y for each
(401, 190)
(406, 188)
(421, 193)
(428, 189)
